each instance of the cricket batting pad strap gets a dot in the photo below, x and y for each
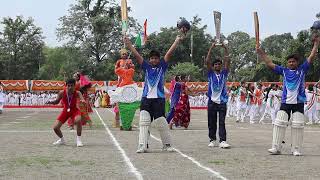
(297, 128)
(281, 119)
(145, 121)
(162, 125)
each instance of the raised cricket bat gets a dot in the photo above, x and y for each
(256, 28)
(124, 16)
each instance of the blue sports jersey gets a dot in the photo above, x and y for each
(293, 83)
(217, 90)
(154, 79)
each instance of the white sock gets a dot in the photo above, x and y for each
(62, 139)
(78, 138)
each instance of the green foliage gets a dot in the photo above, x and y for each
(186, 69)
(62, 62)
(95, 26)
(21, 44)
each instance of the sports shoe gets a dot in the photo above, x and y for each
(79, 143)
(141, 149)
(274, 151)
(296, 153)
(168, 148)
(309, 123)
(224, 145)
(59, 142)
(212, 144)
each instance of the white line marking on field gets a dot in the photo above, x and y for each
(312, 131)
(6, 124)
(215, 173)
(25, 117)
(202, 121)
(23, 131)
(31, 114)
(123, 153)
(195, 130)
(15, 122)
(43, 131)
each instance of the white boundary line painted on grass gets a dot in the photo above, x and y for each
(215, 173)
(23, 131)
(123, 153)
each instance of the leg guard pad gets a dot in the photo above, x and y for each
(145, 121)
(281, 119)
(297, 129)
(162, 125)
(279, 129)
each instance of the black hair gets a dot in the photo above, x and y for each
(71, 81)
(216, 61)
(267, 94)
(297, 57)
(183, 77)
(177, 78)
(154, 53)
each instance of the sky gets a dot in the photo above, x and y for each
(275, 16)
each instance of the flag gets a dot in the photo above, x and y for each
(145, 36)
(138, 42)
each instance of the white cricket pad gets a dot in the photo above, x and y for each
(297, 129)
(162, 125)
(279, 129)
(281, 119)
(145, 121)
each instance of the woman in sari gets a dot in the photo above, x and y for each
(182, 108)
(175, 91)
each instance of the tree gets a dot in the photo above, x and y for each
(242, 55)
(277, 45)
(62, 62)
(21, 44)
(95, 26)
(185, 69)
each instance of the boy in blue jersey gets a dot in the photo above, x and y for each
(293, 99)
(152, 108)
(218, 98)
